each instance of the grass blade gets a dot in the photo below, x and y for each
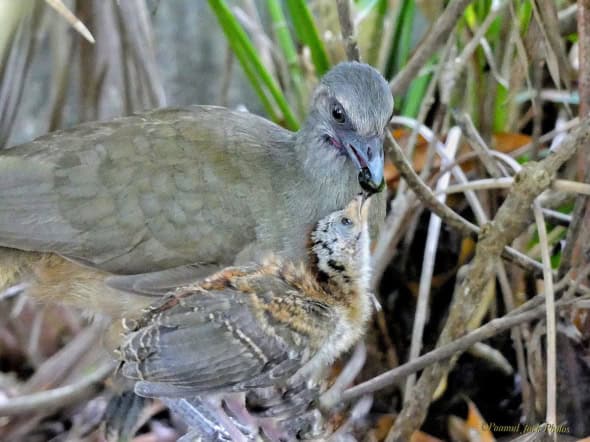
(253, 67)
(307, 33)
(283, 37)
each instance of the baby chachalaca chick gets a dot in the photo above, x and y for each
(202, 186)
(253, 327)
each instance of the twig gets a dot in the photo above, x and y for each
(347, 29)
(472, 45)
(428, 101)
(565, 186)
(432, 238)
(71, 19)
(568, 125)
(584, 56)
(551, 416)
(58, 397)
(389, 235)
(516, 335)
(478, 144)
(431, 43)
(558, 218)
(490, 329)
(579, 232)
(491, 356)
(454, 220)
(511, 219)
(345, 378)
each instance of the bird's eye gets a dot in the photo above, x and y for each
(346, 221)
(338, 113)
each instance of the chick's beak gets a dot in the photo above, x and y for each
(367, 155)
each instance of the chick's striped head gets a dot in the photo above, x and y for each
(340, 245)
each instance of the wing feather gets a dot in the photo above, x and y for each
(213, 341)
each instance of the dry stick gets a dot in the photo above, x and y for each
(71, 19)
(549, 136)
(447, 214)
(517, 339)
(472, 45)
(535, 310)
(511, 219)
(431, 43)
(584, 56)
(494, 169)
(551, 416)
(478, 144)
(428, 101)
(565, 186)
(347, 29)
(57, 397)
(579, 232)
(434, 226)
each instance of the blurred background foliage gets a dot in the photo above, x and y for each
(509, 69)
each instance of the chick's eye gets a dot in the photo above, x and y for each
(338, 113)
(346, 221)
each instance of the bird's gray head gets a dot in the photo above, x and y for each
(340, 245)
(350, 110)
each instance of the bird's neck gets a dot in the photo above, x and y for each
(344, 282)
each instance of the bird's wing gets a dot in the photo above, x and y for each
(210, 341)
(142, 193)
(162, 282)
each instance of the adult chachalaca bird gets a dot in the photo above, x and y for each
(203, 185)
(279, 324)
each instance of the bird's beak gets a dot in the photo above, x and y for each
(367, 156)
(364, 207)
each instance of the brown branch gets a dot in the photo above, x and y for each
(457, 222)
(579, 233)
(490, 329)
(347, 29)
(57, 397)
(431, 43)
(512, 218)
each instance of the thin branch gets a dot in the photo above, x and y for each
(431, 43)
(565, 186)
(451, 218)
(430, 248)
(478, 144)
(472, 45)
(511, 219)
(551, 417)
(347, 29)
(57, 397)
(529, 311)
(74, 22)
(517, 339)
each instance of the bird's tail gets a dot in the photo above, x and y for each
(51, 278)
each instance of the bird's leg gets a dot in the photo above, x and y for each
(230, 426)
(206, 418)
(235, 404)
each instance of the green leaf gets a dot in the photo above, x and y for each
(415, 95)
(248, 57)
(402, 38)
(307, 33)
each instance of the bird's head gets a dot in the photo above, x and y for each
(340, 244)
(349, 112)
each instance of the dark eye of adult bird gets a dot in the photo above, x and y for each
(346, 221)
(338, 113)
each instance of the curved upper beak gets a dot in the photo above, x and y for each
(367, 155)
